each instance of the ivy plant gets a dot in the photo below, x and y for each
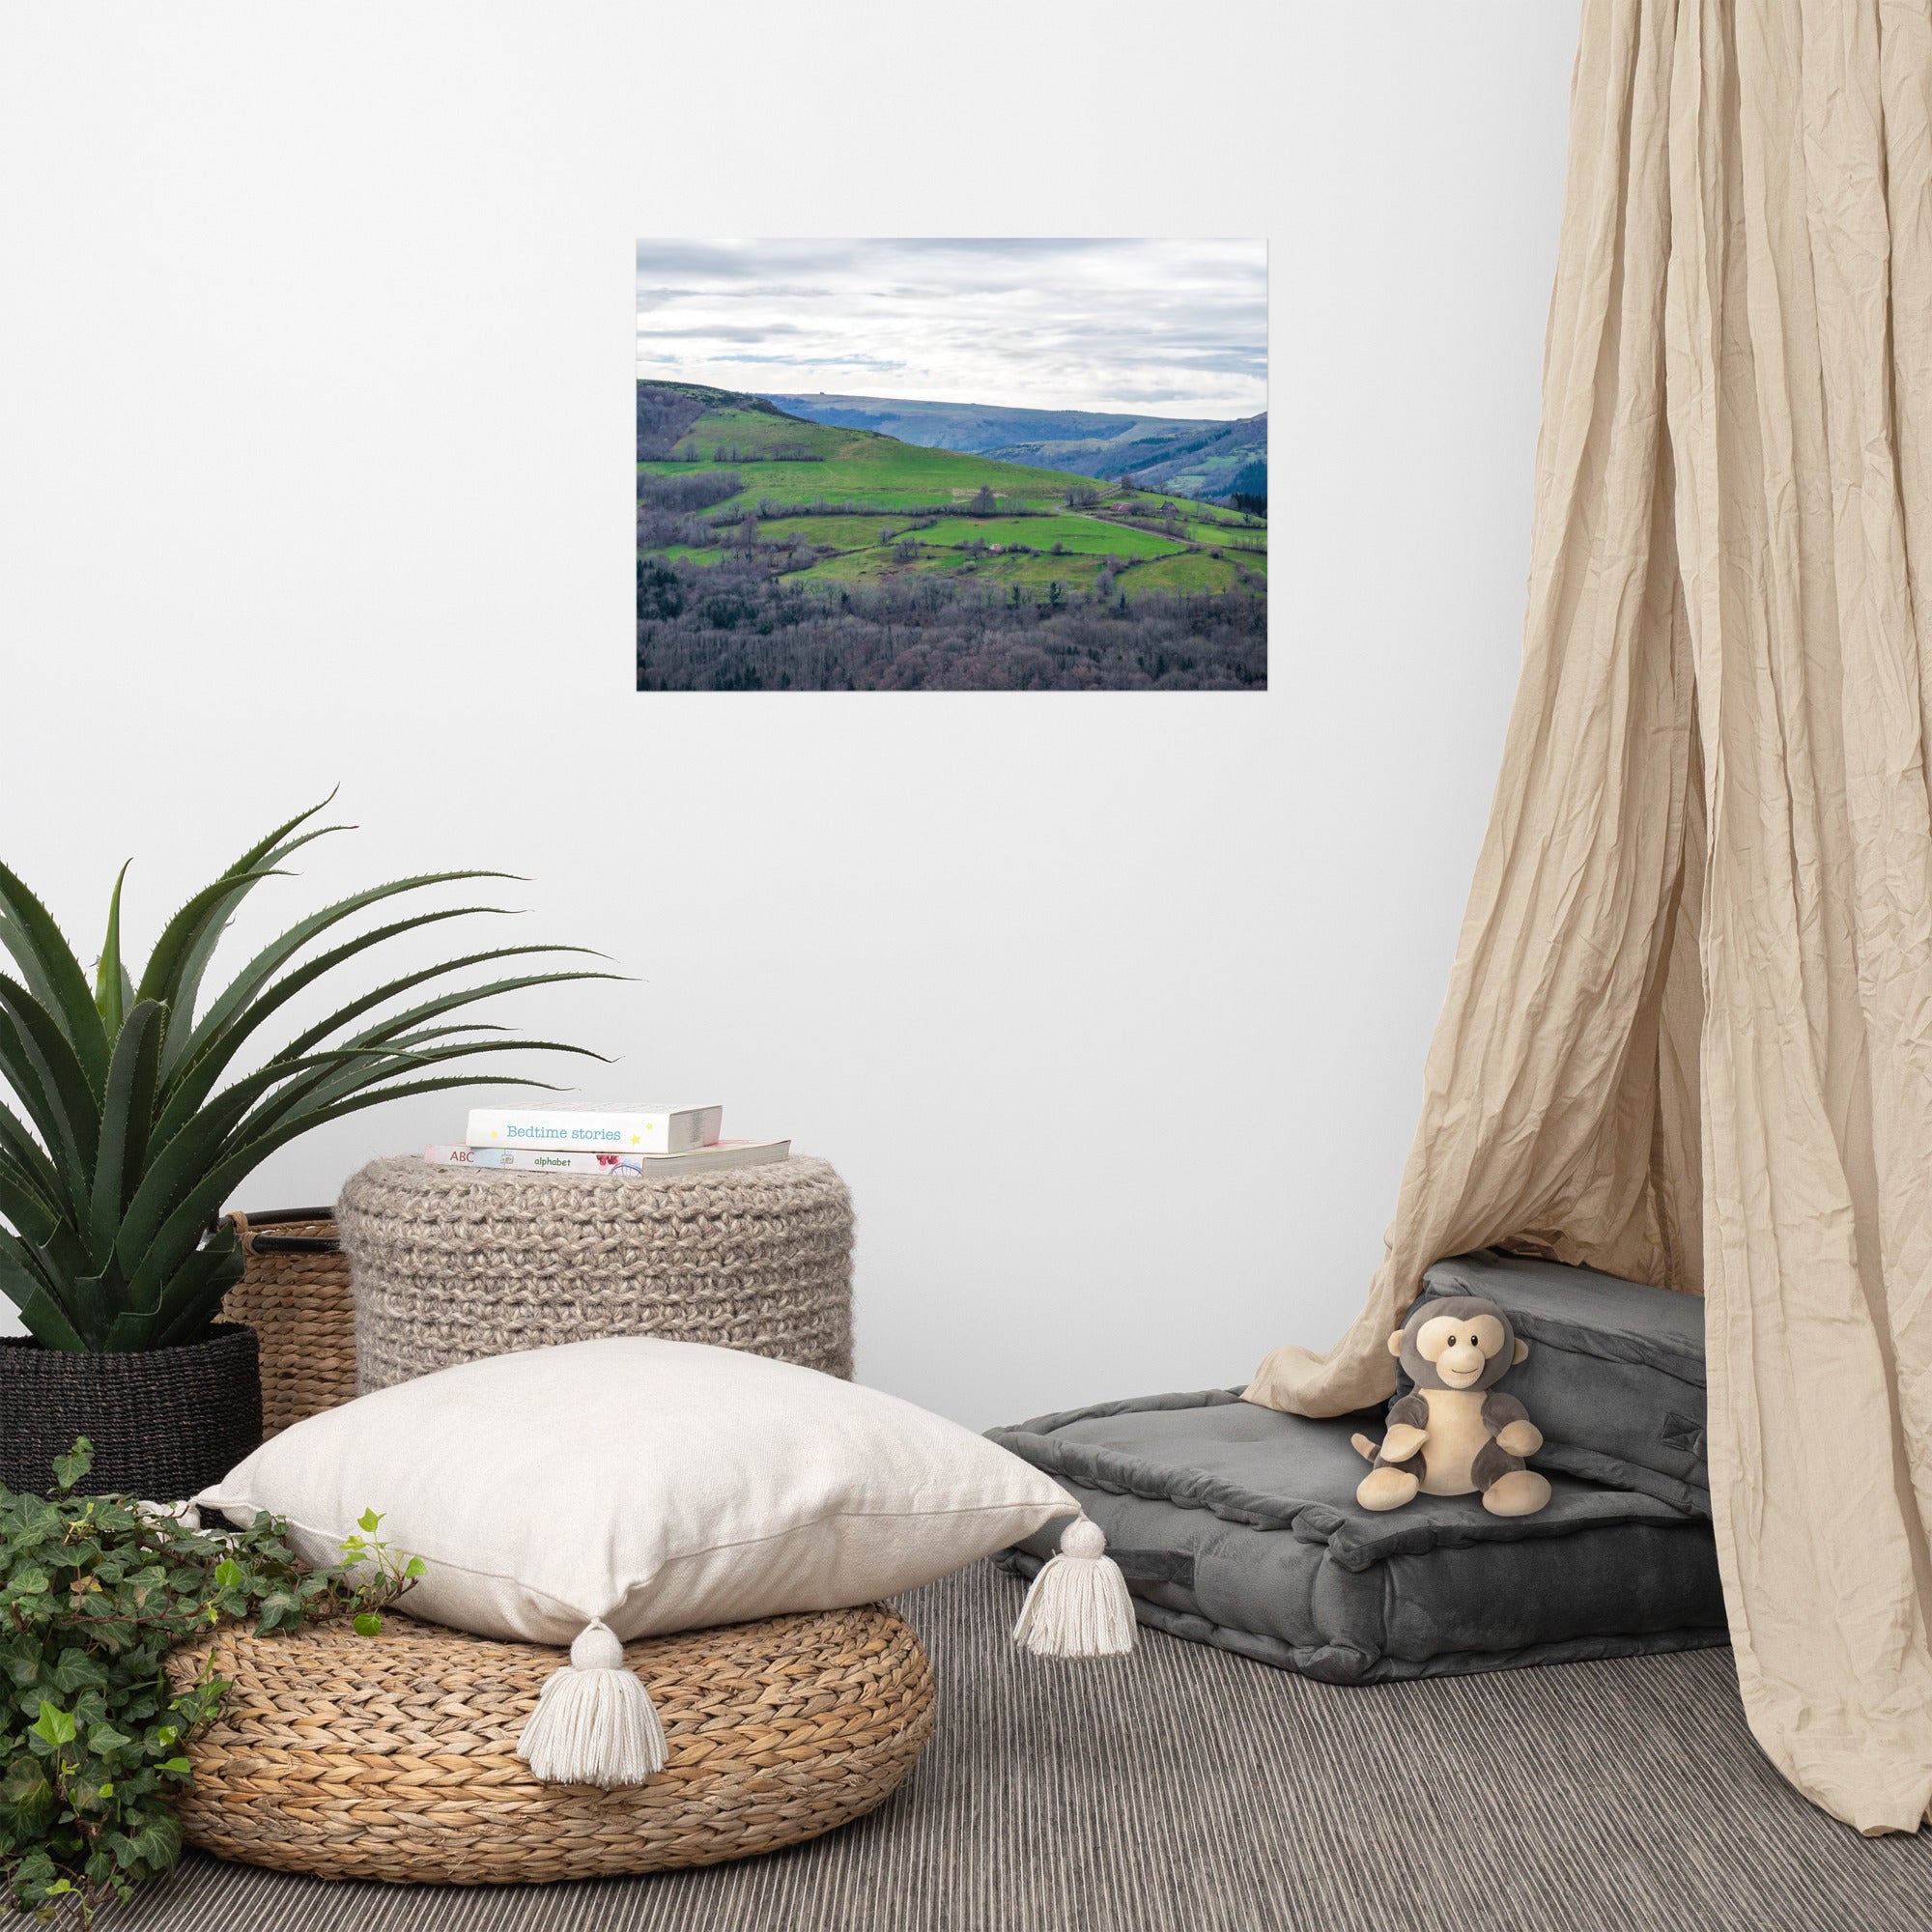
(94, 1591)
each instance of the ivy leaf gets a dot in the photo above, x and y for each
(103, 1739)
(89, 1708)
(369, 1521)
(416, 1567)
(176, 1767)
(74, 1670)
(70, 1469)
(368, 1624)
(154, 1845)
(24, 1784)
(21, 1661)
(85, 1795)
(283, 1615)
(35, 1876)
(53, 1724)
(228, 1574)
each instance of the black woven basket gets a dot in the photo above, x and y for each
(164, 1422)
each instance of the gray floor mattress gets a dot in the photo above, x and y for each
(1237, 1527)
(1615, 1374)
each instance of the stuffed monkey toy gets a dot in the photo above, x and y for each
(1455, 1434)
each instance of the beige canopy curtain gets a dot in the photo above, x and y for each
(1688, 1032)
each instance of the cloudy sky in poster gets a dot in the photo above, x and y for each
(1167, 327)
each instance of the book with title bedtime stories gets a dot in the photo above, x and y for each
(541, 1160)
(622, 1129)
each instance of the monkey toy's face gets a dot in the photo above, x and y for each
(1457, 1342)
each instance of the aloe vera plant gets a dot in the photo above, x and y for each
(123, 1140)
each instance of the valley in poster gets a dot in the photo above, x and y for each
(952, 465)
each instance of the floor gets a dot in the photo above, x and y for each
(1183, 1790)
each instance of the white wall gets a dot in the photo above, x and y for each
(315, 426)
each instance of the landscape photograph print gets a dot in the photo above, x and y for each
(952, 465)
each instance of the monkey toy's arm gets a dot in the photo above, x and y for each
(1408, 1428)
(1508, 1421)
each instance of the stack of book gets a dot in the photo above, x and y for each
(603, 1140)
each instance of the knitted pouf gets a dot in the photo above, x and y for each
(453, 1263)
(394, 1756)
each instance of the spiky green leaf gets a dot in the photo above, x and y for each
(161, 979)
(178, 1158)
(446, 1003)
(266, 855)
(272, 1125)
(26, 1284)
(47, 964)
(110, 976)
(185, 1298)
(273, 957)
(40, 1064)
(35, 1222)
(127, 1113)
(214, 1046)
(33, 1200)
(221, 1181)
(322, 1089)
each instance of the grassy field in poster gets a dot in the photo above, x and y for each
(775, 552)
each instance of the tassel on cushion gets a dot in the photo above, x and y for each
(1078, 1605)
(594, 1722)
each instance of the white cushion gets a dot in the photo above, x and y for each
(655, 1485)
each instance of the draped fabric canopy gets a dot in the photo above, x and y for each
(1689, 1030)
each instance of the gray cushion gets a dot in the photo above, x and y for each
(1236, 1525)
(1615, 1374)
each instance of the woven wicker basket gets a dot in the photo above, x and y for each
(296, 1297)
(394, 1756)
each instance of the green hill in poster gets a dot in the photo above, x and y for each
(1204, 457)
(778, 552)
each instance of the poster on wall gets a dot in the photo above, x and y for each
(952, 465)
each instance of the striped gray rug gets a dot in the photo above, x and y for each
(1188, 1791)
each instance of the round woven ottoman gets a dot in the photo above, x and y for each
(452, 1263)
(394, 1756)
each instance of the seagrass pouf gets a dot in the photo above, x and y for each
(453, 1263)
(394, 1756)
